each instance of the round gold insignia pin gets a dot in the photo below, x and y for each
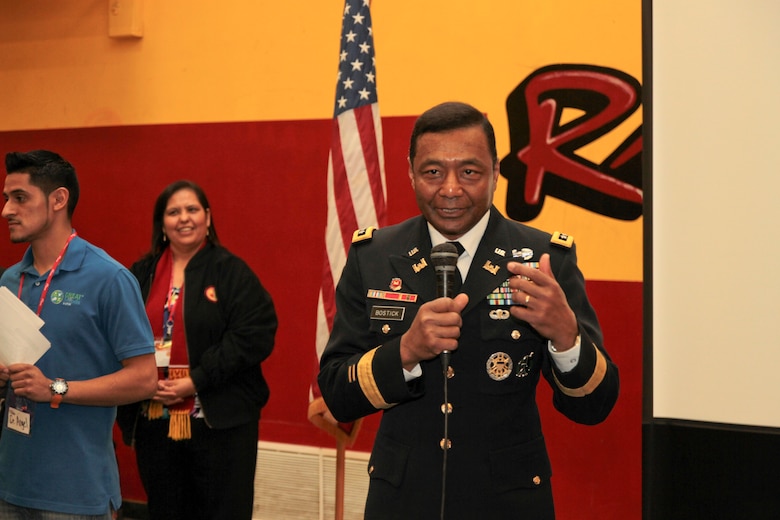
(499, 366)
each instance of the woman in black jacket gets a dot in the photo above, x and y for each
(214, 323)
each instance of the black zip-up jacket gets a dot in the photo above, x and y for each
(230, 324)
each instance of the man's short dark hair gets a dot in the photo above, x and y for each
(452, 115)
(48, 171)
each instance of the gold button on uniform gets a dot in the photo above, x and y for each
(537, 480)
(445, 444)
(446, 408)
(385, 328)
(516, 334)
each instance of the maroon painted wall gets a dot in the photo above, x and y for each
(266, 185)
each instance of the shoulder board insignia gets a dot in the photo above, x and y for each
(363, 234)
(562, 239)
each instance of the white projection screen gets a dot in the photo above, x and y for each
(716, 211)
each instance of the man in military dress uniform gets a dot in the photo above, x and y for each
(522, 312)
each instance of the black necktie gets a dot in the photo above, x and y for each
(458, 279)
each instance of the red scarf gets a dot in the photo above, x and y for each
(159, 295)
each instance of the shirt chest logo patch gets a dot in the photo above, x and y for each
(66, 298)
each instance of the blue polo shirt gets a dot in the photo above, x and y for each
(94, 318)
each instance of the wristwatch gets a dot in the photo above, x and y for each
(59, 387)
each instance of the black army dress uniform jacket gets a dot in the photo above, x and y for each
(497, 465)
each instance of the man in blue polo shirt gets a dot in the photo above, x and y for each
(57, 458)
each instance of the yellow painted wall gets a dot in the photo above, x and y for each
(255, 60)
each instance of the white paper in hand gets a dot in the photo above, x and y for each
(21, 340)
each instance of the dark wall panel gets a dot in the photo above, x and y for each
(702, 471)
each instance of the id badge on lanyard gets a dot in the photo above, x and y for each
(20, 413)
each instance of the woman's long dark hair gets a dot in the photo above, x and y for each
(159, 243)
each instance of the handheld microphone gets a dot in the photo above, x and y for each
(445, 263)
(444, 258)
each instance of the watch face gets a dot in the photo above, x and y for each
(59, 386)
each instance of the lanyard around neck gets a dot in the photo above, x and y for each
(48, 278)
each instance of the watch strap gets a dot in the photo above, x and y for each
(56, 399)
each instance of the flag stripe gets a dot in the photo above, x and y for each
(365, 119)
(344, 207)
(328, 292)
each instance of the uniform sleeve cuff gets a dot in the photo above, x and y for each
(565, 361)
(412, 374)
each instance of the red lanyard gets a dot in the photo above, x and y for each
(51, 274)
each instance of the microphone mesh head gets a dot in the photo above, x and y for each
(445, 254)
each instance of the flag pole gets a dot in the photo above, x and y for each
(345, 435)
(340, 465)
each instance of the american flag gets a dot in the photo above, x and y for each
(356, 173)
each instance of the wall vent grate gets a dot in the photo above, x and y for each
(296, 482)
